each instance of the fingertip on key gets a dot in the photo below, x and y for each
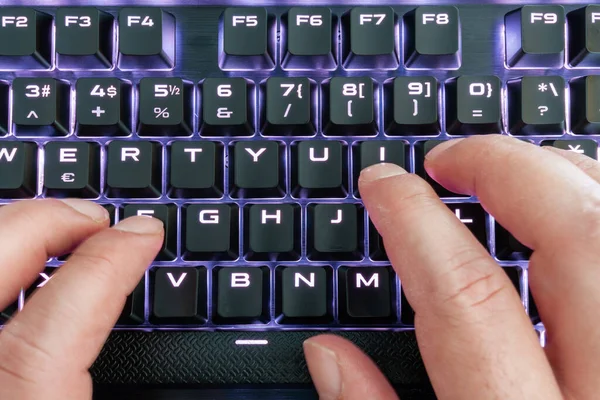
(381, 171)
(94, 211)
(141, 226)
(441, 148)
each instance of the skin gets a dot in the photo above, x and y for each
(549, 199)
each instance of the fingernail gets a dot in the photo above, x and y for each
(381, 171)
(324, 370)
(440, 148)
(92, 210)
(141, 225)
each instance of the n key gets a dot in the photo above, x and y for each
(134, 169)
(18, 169)
(72, 169)
(25, 39)
(167, 213)
(366, 294)
(305, 294)
(290, 109)
(179, 296)
(350, 108)
(334, 232)
(271, 232)
(257, 171)
(242, 295)
(210, 232)
(40, 107)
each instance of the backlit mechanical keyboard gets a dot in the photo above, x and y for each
(244, 129)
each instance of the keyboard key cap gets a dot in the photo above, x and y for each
(248, 39)
(319, 169)
(433, 38)
(335, 232)
(473, 217)
(40, 107)
(112, 212)
(311, 41)
(421, 150)
(378, 151)
(411, 106)
(348, 106)
(242, 295)
(146, 39)
(179, 296)
(537, 105)
(514, 274)
(533, 310)
(227, 107)
(290, 109)
(103, 107)
(167, 213)
(369, 38)
(166, 107)
(585, 147)
(134, 169)
(25, 39)
(365, 295)
(535, 37)
(508, 248)
(84, 38)
(474, 105)
(257, 169)
(8, 312)
(133, 311)
(272, 232)
(196, 169)
(72, 169)
(304, 294)
(18, 169)
(377, 250)
(585, 105)
(210, 232)
(584, 37)
(4, 108)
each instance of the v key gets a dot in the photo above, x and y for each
(179, 296)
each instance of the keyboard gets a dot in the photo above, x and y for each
(244, 127)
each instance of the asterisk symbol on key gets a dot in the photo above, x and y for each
(542, 87)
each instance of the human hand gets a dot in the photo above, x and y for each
(474, 336)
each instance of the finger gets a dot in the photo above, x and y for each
(32, 231)
(341, 371)
(469, 320)
(63, 326)
(583, 162)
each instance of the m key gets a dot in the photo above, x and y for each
(134, 169)
(334, 232)
(272, 232)
(72, 169)
(365, 295)
(179, 296)
(304, 294)
(25, 39)
(18, 169)
(349, 106)
(242, 294)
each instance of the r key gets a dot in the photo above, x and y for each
(134, 169)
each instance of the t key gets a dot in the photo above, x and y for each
(134, 169)
(319, 169)
(242, 294)
(165, 107)
(257, 171)
(25, 39)
(366, 294)
(411, 106)
(349, 106)
(167, 213)
(72, 169)
(473, 105)
(271, 232)
(537, 105)
(196, 169)
(334, 232)
(103, 107)
(290, 109)
(18, 169)
(211, 232)
(226, 107)
(179, 295)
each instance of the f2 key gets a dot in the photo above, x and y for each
(25, 39)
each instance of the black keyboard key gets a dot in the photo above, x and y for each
(166, 107)
(4, 108)
(242, 295)
(304, 294)
(146, 39)
(257, 169)
(84, 38)
(349, 106)
(473, 217)
(196, 169)
(411, 106)
(474, 105)
(311, 41)
(369, 39)
(227, 107)
(365, 295)
(133, 310)
(248, 39)
(373, 152)
(179, 296)
(534, 314)
(25, 39)
(72, 169)
(584, 37)
(421, 150)
(18, 169)
(8, 312)
(585, 147)
(272, 232)
(103, 107)
(377, 250)
(433, 38)
(290, 109)
(535, 37)
(40, 107)
(134, 169)
(319, 169)
(335, 232)
(537, 105)
(167, 213)
(508, 248)
(585, 104)
(514, 274)
(210, 232)
(112, 212)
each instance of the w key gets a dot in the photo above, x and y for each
(179, 295)
(18, 169)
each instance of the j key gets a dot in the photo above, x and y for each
(585, 147)
(412, 106)
(165, 107)
(379, 151)
(535, 37)
(179, 296)
(248, 40)
(509, 248)
(146, 39)
(227, 107)
(25, 39)
(365, 294)
(319, 169)
(334, 232)
(72, 169)
(370, 38)
(407, 314)
(167, 213)
(537, 105)
(133, 311)
(473, 217)
(134, 169)
(584, 37)
(242, 295)
(211, 232)
(377, 250)
(103, 107)
(311, 41)
(585, 105)
(290, 109)
(271, 232)
(433, 38)
(474, 105)
(514, 274)
(257, 169)
(18, 169)
(40, 107)
(421, 150)
(304, 294)
(8, 312)
(196, 169)
(84, 38)
(351, 107)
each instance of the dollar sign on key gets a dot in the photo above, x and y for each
(112, 91)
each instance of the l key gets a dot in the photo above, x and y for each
(179, 296)
(473, 217)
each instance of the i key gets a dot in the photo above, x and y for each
(378, 151)
(365, 295)
(585, 105)
(290, 109)
(319, 169)
(584, 37)
(211, 232)
(271, 232)
(473, 105)
(134, 169)
(242, 294)
(349, 107)
(257, 171)
(72, 169)
(584, 147)
(103, 107)
(179, 296)
(227, 107)
(537, 105)
(473, 217)
(305, 294)
(196, 169)
(40, 107)
(334, 232)
(165, 107)
(25, 39)
(413, 109)
(369, 40)
(146, 39)
(84, 38)
(18, 169)
(167, 213)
